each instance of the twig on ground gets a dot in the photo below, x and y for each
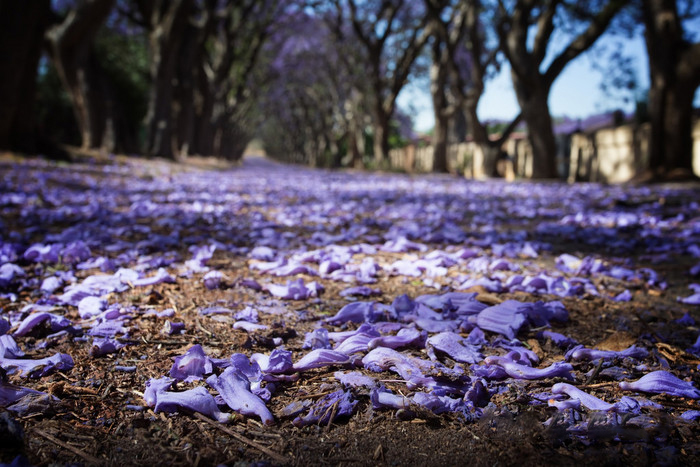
(67, 446)
(276, 457)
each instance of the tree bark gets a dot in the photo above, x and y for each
(21, 33)
(526, 52)
(381, 135)
(438, 85)
(71, 50)
(540, 132)
(168, 22)
(674, 66)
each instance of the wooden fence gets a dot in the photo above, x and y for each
(612, 155)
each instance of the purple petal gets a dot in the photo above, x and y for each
(39, 367)
(10, 393)
(316, 339)
(361, 290)
(160, 277)
(592, 354)
(506, 318)
(91, 306)
(173, 327)
(249, 327)
(327, 409)
(404, 338)
(9, 348)
(154, 386)
(103, 346)
(359, 341)
(658, 382)
(319, 358)
(516, 370)
(559, 339)
(55, 323)
(355, 379)
(195, 400)
(587, 400)
(212, 279)
(192, 365)
(234, 388)
(356, 312)
(382, 398)
(691, 415)
(278, 362)
(454, 346)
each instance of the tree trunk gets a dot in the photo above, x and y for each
(675, 75)
(168, 24)
(72, 53)
(540, 133)
(381, 136)
(671, 141)
(21, 30)
(440, 134)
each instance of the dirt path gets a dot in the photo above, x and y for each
(444, 356)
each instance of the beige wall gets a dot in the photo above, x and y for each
(612, 155)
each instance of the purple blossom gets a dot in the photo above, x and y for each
(404, 338)
(328, 408)
(355, 379)
(103, 346)
(9, 272)
(10, 393)
(316, 339)
(356, 312)
(9, 348)
(559, 339)
(53, 322)
(359, 341)
(91, 306)
(519, 371)
(540, 313)
(295, 290)
(382, 398)
(583, 353)
(234, 388)
(51, 284)
(658, 382)
(37, 368)
(279, 361)
(506, 318)
(195, 400)
(160, 276)
(43, 253)
(4, 326)
(109, 328)
(249, 327)
(191, 366)
(454, 346)
(587, 400)
(212, 279)
(361, 290)
(319, 358)
(173, 327)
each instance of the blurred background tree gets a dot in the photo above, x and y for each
(318, 80)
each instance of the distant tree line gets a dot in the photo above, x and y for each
(318, 80)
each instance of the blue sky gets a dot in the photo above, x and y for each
(576, 92)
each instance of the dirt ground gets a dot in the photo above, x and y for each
(90, 424)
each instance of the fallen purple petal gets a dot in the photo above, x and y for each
(234, 388)
(662, 382)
